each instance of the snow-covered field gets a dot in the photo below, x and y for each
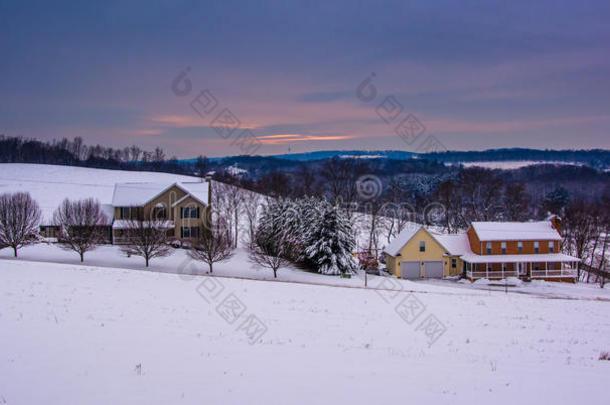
(113, 331)
(74, 334)
(108, 256)
(514, 164)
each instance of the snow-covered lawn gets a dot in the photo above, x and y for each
(240, 267)
(73, 334)
(179, 262)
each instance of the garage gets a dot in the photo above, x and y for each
(433, 269)
(410, 270)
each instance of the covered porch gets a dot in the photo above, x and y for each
(550, 267)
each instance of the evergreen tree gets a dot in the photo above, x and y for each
(331, 244)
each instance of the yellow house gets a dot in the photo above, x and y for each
(419, 253)
(183, 208)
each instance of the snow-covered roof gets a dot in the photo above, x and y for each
(139, 194)
(136, 194)
(499, 231)
(108, 209)
(198, 190)
(535, 258)
(455, 244)
(401, 240)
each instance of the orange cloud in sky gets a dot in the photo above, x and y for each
(178, 121)
(281, 138)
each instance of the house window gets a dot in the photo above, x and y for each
(129, 212)
(503, 266)
(189, 212)
(551, 266)
(453, 263)
(520, 246)
(159, 212)
(551, 247)
(189, 231)
(536, 247)
(503, 245)
(488, 248)
(489, 268)
(422, 246)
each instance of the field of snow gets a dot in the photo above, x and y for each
(108, 256)
(75, 334)
(513, 164)
(111, 330)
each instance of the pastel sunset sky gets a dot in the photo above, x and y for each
(476, 74)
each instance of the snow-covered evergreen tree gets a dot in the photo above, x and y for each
(331, 243)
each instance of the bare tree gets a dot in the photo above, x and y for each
(480, 190)
(228, 201)
(202, 166)
(213, 246)
(19, 219)
(251, 207)
(448, 196)
(516, 202)
(340, 176)
(306, 181)
(134, 153)
(580, 229)
(268, 251)
(82, 225)
(147, 239)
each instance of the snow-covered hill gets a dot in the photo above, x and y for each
(76, 334)
(516, 164)
(50, 184)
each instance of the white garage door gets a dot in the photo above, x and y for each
(410, 270)
(433, 269)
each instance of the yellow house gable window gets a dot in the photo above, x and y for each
(159, 212)
(189, 212)
(422, 246)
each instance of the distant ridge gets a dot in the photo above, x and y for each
(327, 154)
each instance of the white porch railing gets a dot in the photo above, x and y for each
(490, 274)
(544, 273)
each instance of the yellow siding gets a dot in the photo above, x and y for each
(168, 198)
(434, 252)
(179, 222)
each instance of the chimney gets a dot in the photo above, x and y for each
(555, 222)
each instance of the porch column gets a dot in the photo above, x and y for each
(487, 271)
(546, 268)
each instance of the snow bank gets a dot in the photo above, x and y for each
(77, 334)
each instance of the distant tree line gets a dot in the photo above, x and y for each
(596, 158)
(75, 153)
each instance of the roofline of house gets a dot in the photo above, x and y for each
(177, 184)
